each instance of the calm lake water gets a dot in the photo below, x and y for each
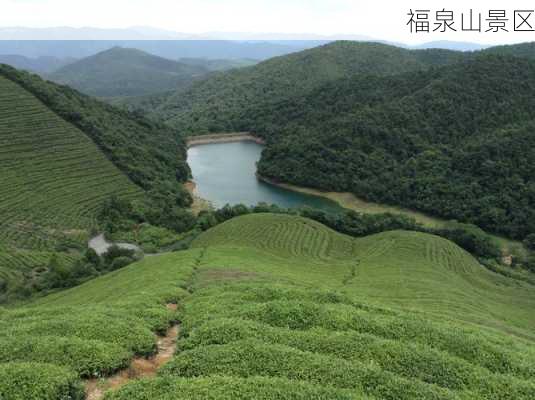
(225, 174)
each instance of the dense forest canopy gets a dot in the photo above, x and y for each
(457, 142)
(219, 103)
(445, 132)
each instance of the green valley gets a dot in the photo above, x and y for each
(124, 276)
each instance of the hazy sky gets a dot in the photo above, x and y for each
(377, 18)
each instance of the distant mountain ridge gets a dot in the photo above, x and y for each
(40, 65)
(127, 72)
(151, 33)
(90, 33)
(218, 65)
(172, 49)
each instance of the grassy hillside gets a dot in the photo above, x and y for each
(53, 174)
(281, 307)
(89, 331)
(149, 153)
(63, 155)
(221, 102)
(394, 268)
(54, 178)
(120, 72)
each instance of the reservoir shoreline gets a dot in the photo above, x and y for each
(223, 138)
(199, 204)
(344, 200)
(352, 202)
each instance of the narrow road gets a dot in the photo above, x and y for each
(101, 245)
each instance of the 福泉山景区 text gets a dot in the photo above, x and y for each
(444, 20)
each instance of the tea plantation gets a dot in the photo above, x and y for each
(53, 180)
(48, 165)
(281, 307)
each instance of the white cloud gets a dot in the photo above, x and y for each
(378, 18)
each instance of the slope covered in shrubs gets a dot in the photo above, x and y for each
(281, 307)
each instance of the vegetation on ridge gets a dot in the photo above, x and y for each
(122, 72)
(220, 103)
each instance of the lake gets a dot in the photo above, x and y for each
(225, 173)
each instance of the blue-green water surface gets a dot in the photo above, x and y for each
(225, 173)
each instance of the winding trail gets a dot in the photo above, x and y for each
(101, 245)
(139, 367)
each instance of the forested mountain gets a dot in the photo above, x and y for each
(391, 125)
(261, 302)
(147, 152)
(524, 50)
(121, 72)
(218, 103)
(456, 141)
(219, 65)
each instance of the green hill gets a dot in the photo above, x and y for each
(53, 174)
(219, 65)
(63, 155)
(394, 268)
(454, 142)
(120, 72)
(524, 50)
(281, 307)
(53, 180)
(222, 101)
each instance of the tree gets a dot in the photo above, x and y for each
(116, 252)
(92, 257)
(120, 262)
(529, 241)
(530, 263)
(57, 275)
